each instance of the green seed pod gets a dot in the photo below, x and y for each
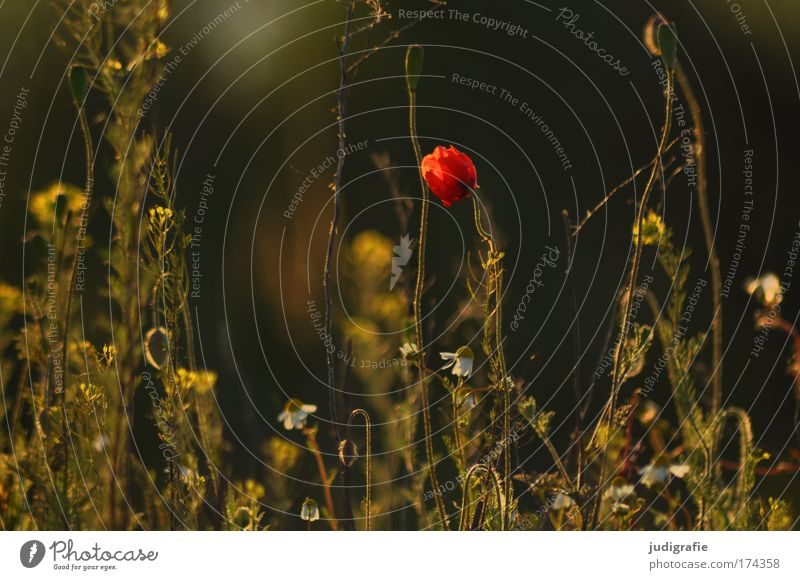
(414, 60)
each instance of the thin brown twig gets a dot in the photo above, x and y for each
(622, 184)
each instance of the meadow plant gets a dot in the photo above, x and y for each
(81, 385)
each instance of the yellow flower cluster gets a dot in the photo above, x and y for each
(371, 251)
(42, 205)
(283, 455)
(160, 217)
(653, 229)
(254, 489)
(10, 299)
(201, 381)
(92, 393)
(109, 352)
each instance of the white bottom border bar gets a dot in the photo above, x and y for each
(405, 555)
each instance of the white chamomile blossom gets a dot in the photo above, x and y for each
(561, 501)
(295, 413)
(619, 491)
(660, 471)
(310, 510)
(460, 361)
(766, 288)
(408, 349)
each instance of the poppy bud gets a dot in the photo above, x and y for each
(348, 453)
(450, 174)
(661, 39)
(78, 84)
(414, 58)
(668, 44)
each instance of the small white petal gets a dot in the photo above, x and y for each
(463, 366)
(408, 349)
(309, 408)
(653, 474)
(299, 419)
(679, 470)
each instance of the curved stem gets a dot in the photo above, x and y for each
(368, 428)
(464, 516)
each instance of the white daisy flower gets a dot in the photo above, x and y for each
(310, 510)
(409, 349)
(460, 361)
(295, 413)
(561, 501)
(679, 470)
(661, 471)
(766, 288)
(619, 490)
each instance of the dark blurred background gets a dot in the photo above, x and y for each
(253, 102)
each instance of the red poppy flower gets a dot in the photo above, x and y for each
(450, 174)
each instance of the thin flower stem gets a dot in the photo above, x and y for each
(311, 438)
(556, 457)
(495, 287)
(456, 427)
(89, 153)
(708, 233)
(330, 360)
(607, 414)
(423, 231)
(341, 100)
(637, 256)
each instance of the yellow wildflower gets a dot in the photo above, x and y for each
(42, 204)
(653, 229)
